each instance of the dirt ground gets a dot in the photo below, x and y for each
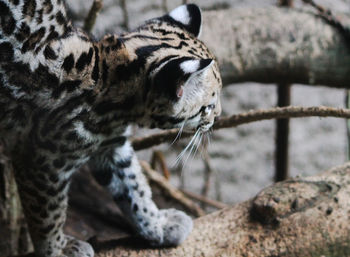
(244, 157)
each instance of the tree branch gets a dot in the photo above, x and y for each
(303, 217)
(273, 45)
(205, 200)
(244, 118)
(92, 16)
(175, 194)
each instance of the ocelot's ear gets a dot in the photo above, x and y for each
(188, 17)
(172, 79)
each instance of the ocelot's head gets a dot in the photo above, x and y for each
(182, 77)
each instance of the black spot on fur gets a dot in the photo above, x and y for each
(14, 2)
(68, 63)
(49, 53)
(108, 106)
(47, 229)
(52, 192)
(96, 70)
(39, 18)
(44, 77)
(135, 208)
(53, 34)
(48, 7)
(29, 8)
(7, 21)
(116, 45)
(53, 178)
(44, 214)
(34, 38)
(110, 39)
(68, 86)
(121, 174)
(41, 199)
(84, 60)
(103, 176)
(124, 163)
(58, 163)
(53, 206)
(6, 51)
(23, 32)
(60, 18)
(57, 216)
(104, 71)
(63, 185)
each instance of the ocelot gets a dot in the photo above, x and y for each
(67, 100)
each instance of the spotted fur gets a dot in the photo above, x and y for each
(66, 100)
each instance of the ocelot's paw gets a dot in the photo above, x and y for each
(77, 248)
(176, 226)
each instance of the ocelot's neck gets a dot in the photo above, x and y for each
(121, 82)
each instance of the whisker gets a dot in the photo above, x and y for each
(181, 155)
(208, 137)
(195, 143)
(199, 143)
(178, 134)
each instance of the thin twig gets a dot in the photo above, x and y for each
(158, 157)
(92, 16)
(329, 17)
(125, 14)
(165, 5)
(205, 200)
(170, 190)
(347, 105)
(244, 118)
(208, 170)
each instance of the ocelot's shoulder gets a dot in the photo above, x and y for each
(27, 26)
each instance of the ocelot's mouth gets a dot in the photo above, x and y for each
(204, 127)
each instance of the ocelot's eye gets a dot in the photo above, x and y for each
(211, 106)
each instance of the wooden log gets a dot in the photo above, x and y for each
(277, 45)
(298, 217)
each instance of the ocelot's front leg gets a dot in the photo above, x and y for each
(43, 183)
(120, 172)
